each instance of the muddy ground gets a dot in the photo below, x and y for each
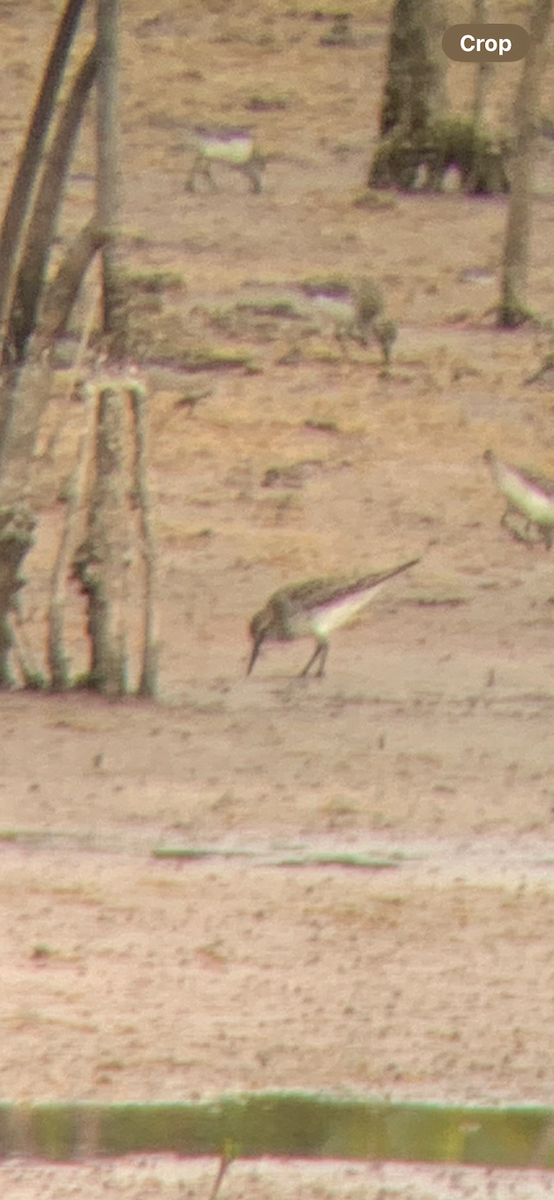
(431, 741)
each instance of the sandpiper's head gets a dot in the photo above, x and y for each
(258, 629)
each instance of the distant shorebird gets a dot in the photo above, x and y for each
(314, 609)
(356, 309)
(529, 493)
(231, 147)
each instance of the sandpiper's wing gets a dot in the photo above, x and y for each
(369, 581)
(315, 593)
(310, 594)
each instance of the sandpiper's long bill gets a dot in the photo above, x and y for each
(315, 609)
(528, 493)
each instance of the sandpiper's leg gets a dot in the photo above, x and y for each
(543, 533)
(386, 332)
(323, 659)
(519, 535)
(321, 651)
(200, 166)
(189, 185)
(254, 171)
(361, 333)
(207, 173)
(341, 336)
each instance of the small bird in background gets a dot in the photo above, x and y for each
(227, 146)
(528, 493)
(315, 608)
(356, 308)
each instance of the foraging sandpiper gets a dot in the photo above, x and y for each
(314, 609)
(230, 146)
(356, 309)
(529, 493)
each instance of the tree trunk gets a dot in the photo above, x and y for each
(102, 560)
(148, 685)
(75, 373)
(26, 389)
(513, 309)
(25, 394)
(420, 141)
(61, 293)
(108, 184)
(37, 243)
(415, 92)
(57, 658)
(483, 69)
(17, 525)
(18, 203)
(415, 89)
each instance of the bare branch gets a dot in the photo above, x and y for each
(18, 203)
(37, 243)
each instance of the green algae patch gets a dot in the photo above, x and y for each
(506, 1137)
(304, 1125)
(285, 1125)
(297, 1125)
(181, 1128)
(9, 1143)
(53, 1130)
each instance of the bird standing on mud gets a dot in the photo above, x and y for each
(315, 608)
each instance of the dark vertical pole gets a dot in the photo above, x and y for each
(108, 180)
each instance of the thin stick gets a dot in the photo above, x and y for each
(228, 1153)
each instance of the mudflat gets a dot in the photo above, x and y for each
(430, 743)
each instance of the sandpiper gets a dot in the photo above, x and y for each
(355, 308)
(230, 146)
(529, 493)
(314, 609)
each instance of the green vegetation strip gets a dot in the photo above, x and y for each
(45, 837)
(193, 852)
(293, 860)
(284, 1124)
(338, 860)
